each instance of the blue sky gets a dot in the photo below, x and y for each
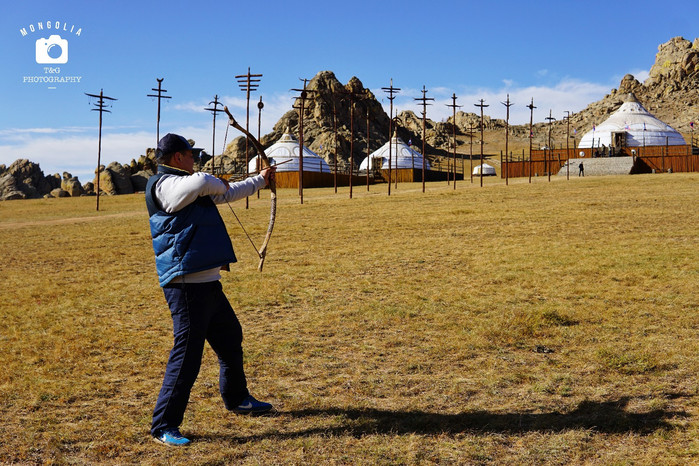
(564, 54)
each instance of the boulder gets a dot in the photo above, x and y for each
(105, 184)
(115, 179)
(629, 84)
(24, 179)
(71, 185)
(53, 181)
(147, 162)
(58, 192)
(89, 188)
(140, 179)
(8, 190)
(120, 178)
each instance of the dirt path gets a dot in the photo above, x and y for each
(63, 221)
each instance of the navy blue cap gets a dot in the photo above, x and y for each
(171, 143)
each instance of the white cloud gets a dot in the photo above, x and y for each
(568, 95)
(74, 149)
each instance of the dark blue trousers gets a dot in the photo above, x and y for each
(200, 312)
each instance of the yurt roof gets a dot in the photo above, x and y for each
(640, 126)
(402, 156)
(487, 169)
(286, 150)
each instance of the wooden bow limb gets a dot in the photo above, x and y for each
(272, 186)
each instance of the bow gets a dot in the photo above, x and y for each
(272, 185)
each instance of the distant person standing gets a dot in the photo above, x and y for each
(191, 247)
(581, 169)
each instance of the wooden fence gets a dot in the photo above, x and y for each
(666, 163)
(650, 159)
(317, 179)
(414, 175)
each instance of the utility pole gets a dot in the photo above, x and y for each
(101, 106)
(453, 128)
(335, 132)
(215, 110)
(471, 129)
(247, 84)
(260, 106)
(391, 91)
(481, 105)
(351, 96)
(351, 175)
(531, 108)
(159, 96)
(423, 100)
(546, 159)
(303, 97)
(567, 118)
(368, 151)
(507, 104)
(396, 122)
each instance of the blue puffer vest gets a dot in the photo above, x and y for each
(189, 240)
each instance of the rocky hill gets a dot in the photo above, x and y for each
(671, 92)
(326, 107)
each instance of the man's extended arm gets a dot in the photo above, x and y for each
(176, 192)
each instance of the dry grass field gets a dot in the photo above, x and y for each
(542, 323)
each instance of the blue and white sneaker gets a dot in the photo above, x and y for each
(171, 437)
(251, 406)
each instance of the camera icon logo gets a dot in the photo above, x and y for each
(53, 50)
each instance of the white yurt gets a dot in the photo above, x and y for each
(631, 126)
(488, 170)
(402, 156)
(286, 152)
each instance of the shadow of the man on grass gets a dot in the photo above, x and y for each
(603, 417)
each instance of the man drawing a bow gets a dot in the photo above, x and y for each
(191, 246)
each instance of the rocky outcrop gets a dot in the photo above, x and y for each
(25, 180)
(116, 178)
(671, 91)
(330, 104)
(121, 178)
(71, 185)
(676, 59)
(140, 179)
